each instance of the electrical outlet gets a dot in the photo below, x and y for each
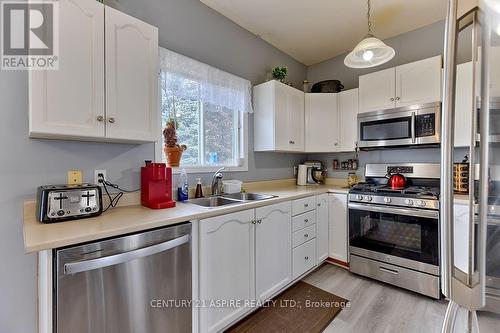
(96, 176)
(75, 177)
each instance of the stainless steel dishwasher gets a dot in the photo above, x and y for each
(135, 283)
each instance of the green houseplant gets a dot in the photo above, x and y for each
(279, 73)
(173, 151)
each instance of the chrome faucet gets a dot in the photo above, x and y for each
(216, 182)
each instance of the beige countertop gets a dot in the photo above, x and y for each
(133, 218)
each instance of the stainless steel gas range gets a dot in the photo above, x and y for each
(394, 233)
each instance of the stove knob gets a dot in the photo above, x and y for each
(359, 197)
(409, 202)
(60, 212)
(421, 203)
(368, 198)
(387, 200)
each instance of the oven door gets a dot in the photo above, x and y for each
(409, 234)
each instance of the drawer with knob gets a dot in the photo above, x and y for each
(303, 220)
(303, 205)
(303, 258)
(304, 235)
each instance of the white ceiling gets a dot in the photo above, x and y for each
(315, 30)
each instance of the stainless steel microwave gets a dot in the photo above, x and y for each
(417, 124)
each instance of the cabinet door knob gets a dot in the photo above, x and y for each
(259, 221)
(100, 118)
(319, 205)
(397, 98)
(306, 205)
(253, 222)
(111, 120)
(306, 258)
(306, 220)
(306, 235)
(392, 99)
(336, 144)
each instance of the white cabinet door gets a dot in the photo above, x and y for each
(278, 117)
(377, 90)
(348, 119)
(322, 226)
(337, 210)
(296, 119)
(273, 249)
(461, 236)
(418, 82)
(321, 123)
(131, 78)
(281, 112)
(69, 102)
(226, 269)
(463, 105)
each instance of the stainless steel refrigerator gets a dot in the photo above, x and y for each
(470, 252)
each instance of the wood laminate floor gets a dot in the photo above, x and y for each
(379, 307)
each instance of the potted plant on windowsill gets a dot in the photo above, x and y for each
(173, 151)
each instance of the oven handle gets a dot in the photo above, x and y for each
(432, 214)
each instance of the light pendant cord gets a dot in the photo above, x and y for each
(369, 18)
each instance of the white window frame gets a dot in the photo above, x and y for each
(242, 141)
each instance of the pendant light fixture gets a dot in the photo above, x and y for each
(371, 51)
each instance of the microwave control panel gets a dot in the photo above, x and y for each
(426, 125)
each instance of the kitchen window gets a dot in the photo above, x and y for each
(210, 109)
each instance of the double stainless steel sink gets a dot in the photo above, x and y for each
(229, 199)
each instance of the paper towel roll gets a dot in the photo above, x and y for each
(302, 175)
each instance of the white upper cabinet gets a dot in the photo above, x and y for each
(377, 90)
(322, 121)
(278, 117)
(106, 88)
(414, 83)
(273, 250)
(69, 102)
(296, 119)
(418, 82)
(227, 262)
(131, 78)
(463, 105)
(348, 119)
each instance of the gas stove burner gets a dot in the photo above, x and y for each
(410, 191)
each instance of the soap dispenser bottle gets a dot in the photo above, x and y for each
(199, 190)
(183, 188)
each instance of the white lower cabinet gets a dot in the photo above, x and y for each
(227, 267)
(244, 256)
(272, 249)
(304, 258)
(338, 246)
(322, 221)
(250, 256)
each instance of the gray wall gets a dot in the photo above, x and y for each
(187, 27)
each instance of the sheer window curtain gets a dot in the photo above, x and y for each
(193, 80)
(215, 86)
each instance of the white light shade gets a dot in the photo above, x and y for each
(370, 52)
